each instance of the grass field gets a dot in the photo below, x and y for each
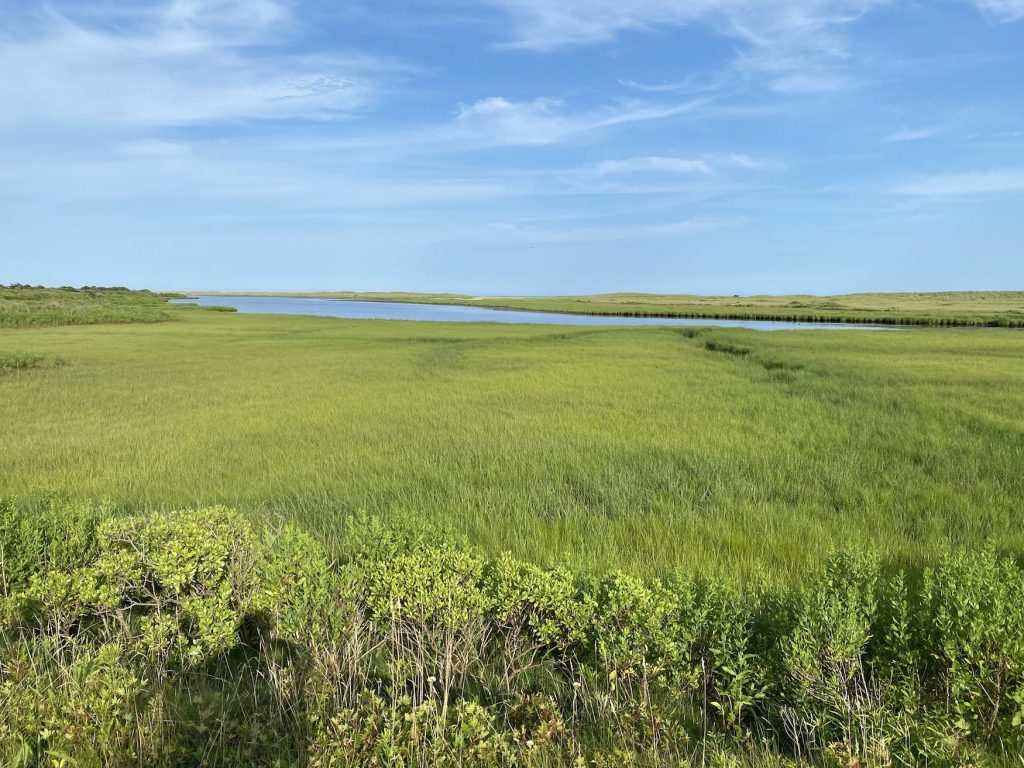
(959, 308)
(649, 449)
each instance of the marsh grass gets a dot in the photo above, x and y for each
(643, 449)
(27, 306)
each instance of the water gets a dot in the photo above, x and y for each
(448, 313)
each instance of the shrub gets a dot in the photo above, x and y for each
(183, 638)
(171, 587)
(973, 606)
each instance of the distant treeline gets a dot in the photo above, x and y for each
(191, 638)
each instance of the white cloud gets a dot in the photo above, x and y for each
(746, 162)
(497, 121)
(225, 14)
(912, 134)
(811, 82)
(705, 165)
(1002, 10)
(541, 24)
(176, 63)
(794, 46)
(655, 165)
(997, 181)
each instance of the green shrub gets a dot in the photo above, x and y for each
(636, 640)
(59, 536)
(187, 637)
(171, 587)
(733, 680)
(69, 705)
(17, 361)
(834, 693)
(543, 617)
(973, 607)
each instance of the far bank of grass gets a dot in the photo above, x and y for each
(965, 308)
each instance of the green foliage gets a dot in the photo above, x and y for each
(175, 638)
(375, 733)
(27, 306)
(974, 629)
(18, 361)
(172, 586)
(546, 609)
(57, 536)
(68, 705)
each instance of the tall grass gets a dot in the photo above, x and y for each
(644, 449)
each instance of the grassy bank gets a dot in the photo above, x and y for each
(727, 452)
(27, 306)
(965, 308)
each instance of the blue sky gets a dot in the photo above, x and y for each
(513, 146)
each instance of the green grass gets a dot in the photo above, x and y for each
(646, 449)
(26, 306)
(963, 308)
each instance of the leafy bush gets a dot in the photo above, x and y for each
(17, 361)
(183, 638)
(973, 608)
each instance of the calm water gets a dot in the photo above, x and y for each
(446, 313)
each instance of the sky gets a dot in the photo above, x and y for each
(513, 147)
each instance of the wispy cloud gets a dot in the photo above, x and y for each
(796, 46)
(706, 164)
(913, 134)
(176, 63)
(500, 121)
(541, 24)
(671, 165)
(1002, 10)
(972, 184)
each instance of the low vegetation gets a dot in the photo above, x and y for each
(190, 638)
(964, 308)
(17, 361)
(27, 306)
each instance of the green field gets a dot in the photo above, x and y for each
(954, 308)
(644, 448)
(494, 546)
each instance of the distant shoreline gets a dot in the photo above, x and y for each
(995, 309)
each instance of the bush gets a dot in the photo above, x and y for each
(169, 639)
